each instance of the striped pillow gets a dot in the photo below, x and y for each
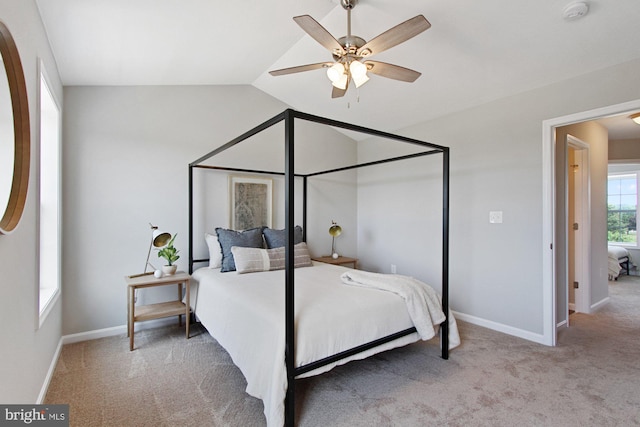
(251, 260)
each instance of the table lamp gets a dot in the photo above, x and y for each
(335, 230)
(158, 240)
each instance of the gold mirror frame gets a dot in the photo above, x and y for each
(19, 103)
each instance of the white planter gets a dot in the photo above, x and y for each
(168, 270)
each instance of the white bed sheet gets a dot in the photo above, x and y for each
(245, 314)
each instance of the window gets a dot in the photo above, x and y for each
(622, 202)
(50, 197)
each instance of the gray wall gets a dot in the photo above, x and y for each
(496, 165)
(126, 155)
(623, 150)
(123, 143)
(26, 351)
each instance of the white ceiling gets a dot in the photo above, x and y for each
(475, 51)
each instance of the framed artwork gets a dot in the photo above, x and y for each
(251, 201)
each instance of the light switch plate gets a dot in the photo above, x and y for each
(495, 217)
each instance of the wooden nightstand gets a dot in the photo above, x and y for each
(160, 310)
(341, 260)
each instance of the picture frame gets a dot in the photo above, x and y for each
(250, 202)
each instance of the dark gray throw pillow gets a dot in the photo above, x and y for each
(278, 238)
(251, 238)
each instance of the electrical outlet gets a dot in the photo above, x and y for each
(393, 269)
(495, 217)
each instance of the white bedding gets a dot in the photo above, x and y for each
(617, 254)
(245, 314)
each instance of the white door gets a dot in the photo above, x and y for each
(578, 225)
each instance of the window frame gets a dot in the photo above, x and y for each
(635, 171)
(49, 289)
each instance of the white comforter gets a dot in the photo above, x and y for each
(245, 314)
(616, 253)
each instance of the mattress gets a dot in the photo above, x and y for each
(245, 314)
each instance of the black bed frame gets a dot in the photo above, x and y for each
(288, 116)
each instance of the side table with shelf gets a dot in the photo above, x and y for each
(159, 310)
(341, 260)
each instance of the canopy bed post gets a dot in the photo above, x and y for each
(304, 208)
(444, 332)
(190, 219)
(289, 353)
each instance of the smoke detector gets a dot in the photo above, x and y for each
(575, 10)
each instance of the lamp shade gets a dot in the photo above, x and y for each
(341, 83)
(357, 69)
(335, 72)
(160, 239)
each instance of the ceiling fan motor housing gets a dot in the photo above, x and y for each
(348, 4)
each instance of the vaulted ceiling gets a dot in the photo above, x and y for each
(475, 51)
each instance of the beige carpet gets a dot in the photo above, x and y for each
(592, 378)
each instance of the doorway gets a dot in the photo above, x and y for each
(550, 244)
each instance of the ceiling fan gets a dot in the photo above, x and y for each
(351, 53)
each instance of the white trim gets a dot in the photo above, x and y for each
(548, 205)
(47, 378)
(499, 327)
(116, 330)
(597, 306)
(42, 315)
(44, 84)
(548, 233)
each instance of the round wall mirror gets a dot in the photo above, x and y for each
(15, 140)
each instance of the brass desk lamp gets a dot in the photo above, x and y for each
(335, 230)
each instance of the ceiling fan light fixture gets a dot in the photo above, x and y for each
(359, 81)
(635, 117)
(341, 82)
(335, 72)
(357, 69)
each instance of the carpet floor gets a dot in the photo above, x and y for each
(591, 378)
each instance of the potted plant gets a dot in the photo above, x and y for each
(170, 253)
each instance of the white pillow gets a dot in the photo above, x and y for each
(215, 252)
(250, 260)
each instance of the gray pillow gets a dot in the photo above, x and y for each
(251, 238)
(278, 238)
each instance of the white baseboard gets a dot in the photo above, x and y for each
(509, 330)
(115, 330)
(597, 306)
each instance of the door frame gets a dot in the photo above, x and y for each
(583, 293)
(549, 209)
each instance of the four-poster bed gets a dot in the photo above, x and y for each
(300, 354)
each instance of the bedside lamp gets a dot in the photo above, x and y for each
(158, 240)
(335, 230)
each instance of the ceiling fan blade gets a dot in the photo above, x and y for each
(300, 68)
(319, 34)
(337, 92)
(394, 36)
(391, 71)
